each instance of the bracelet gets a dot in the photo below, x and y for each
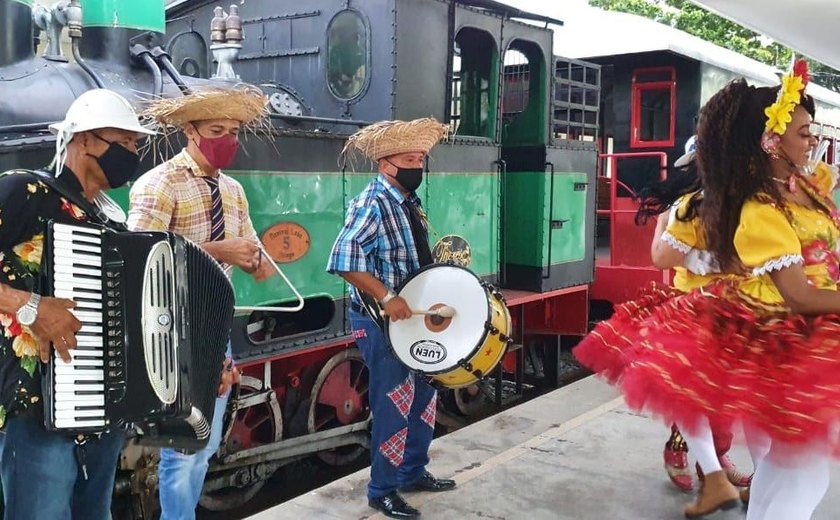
(390, 295)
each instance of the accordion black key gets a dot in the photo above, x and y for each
(156, 312)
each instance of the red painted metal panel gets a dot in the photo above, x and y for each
(618, 284)
(564, 314)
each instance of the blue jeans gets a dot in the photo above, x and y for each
(42, 480)
(403, 408)
(181, 476)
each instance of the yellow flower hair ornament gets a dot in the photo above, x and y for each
(779, 114)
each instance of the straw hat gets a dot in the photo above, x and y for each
(388, 138)
(244, 103)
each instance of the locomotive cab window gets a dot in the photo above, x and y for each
(653, 107)
(347, 52)
(474, 84)
(524, 95)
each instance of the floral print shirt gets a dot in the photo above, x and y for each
(26, 205)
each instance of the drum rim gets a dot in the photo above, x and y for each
(487, 322)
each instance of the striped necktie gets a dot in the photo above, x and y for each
(217, 212)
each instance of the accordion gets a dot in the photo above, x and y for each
(156, 312)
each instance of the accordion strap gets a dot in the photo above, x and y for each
(77, 199)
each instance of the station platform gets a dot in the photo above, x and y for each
(575, 453)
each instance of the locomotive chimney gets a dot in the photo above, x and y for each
(110, 24)
(16, 37)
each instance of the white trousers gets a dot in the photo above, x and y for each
(789, 491)
(701, 444)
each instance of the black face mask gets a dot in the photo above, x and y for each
(118, 163)
(409, 178)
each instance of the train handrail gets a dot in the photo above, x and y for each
(614, 182)
(626, 187)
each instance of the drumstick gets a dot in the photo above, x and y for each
(444, 312)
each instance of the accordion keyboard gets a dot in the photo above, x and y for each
(81, 391)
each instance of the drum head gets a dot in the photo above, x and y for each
(432, 348)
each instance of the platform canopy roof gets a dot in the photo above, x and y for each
(589, 32)
(809, 27)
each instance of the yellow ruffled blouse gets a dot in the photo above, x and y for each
(768, 239)
(700, 267)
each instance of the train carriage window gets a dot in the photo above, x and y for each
(653, 113)
(827, 140)
(347, 54)
(831, 152)
(474, 84)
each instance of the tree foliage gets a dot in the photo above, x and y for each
(689, 17)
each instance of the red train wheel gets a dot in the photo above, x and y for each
(255, 425)
(339, 398)
(252, 426)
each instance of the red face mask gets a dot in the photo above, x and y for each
(219, 151)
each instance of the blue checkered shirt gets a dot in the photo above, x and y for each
(376, 237)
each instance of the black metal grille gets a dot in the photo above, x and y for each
(455, 108)
(576, 101)
(517, 84)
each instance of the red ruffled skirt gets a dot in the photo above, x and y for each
(714, 353)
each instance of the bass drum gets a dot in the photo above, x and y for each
(458, 351)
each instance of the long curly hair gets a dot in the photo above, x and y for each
(656, 198)
(733, 167)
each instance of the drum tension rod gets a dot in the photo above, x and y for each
(466, 365)
(491, 329)
(495, 291)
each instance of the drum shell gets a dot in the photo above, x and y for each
(485, 358)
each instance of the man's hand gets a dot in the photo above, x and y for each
(230, 376)
(263, 271)
(57, 325)
(397, 309)
(241, 252)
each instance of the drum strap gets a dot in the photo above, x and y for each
(372, 308)
(419, 233)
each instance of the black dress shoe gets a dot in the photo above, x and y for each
(427, 482)
(393, 505)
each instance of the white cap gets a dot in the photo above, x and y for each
(100, 108)
(688, 156)
(96, 108)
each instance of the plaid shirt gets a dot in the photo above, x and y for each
(175, 197)
(376, 237)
